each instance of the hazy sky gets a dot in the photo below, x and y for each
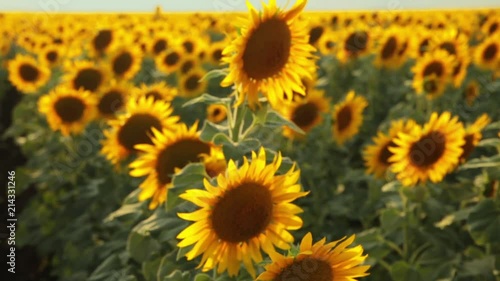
(231, 5)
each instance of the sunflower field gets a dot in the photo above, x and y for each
(274, 144)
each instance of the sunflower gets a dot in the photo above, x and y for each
(159, 43)
(187, 64)
(487, 54)
(471, 92)
(318, 262)
(191, 84)
(428, 152)
(270, 56)
(249, 209)
(170, 60)
(215, 52)
(460, 71)
(26, 74)
(453, 42)
(327, 43)
(356, 41)
(125, 62)
(112, 99)
(434, 66)
(390, 46)
(158, 91)
(491, 26)
(169, 152)
(85, 75)
(348, 116)
(306, 112)
(216, 113)
(51, 55)
(377, 155)
(102, 41)
(190, 45)
(134, 127)
(473, 135)
(68, 110)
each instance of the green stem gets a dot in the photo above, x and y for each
(406, 236)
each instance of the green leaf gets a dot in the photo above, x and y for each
(207, 99)
(494, 142)
(478, 267)
(141, 247)
(202, 277)
(391, 220)
(192, 174)
(135, 210)
(210, 129)
(483, 162)
(107, 268)
(215, 73)
(484, 222)
(178, 276)
(274, 119)
(150, 269)
(459, 215)
(402, 271)
(167, 266)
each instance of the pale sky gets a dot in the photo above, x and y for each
(231, 5)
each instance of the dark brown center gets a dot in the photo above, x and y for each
(422, 48)
(28, 72)
(435, 67)
(344, 118)
(178, 155)
(110, 102)
(188, 46)
(137, 130)
(122, 63)
(159, 46)
(69, 109)
(468, 147)
(428, 150)
(490, 52)
(449, 47)
(102, 40)
(267, 49)
(385, 153)
(356, 42)
(217, 55)
(187, 66)
(242, 212)
(88, 78)
(155, 94)
(305, 115)
(52, 56)
(389, 48)
(192, 83)
(171, 59)
(307, 269)
(315, 33)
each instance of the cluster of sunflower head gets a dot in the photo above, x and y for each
(420, 153)
(442, 45)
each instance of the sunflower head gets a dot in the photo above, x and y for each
(135, 126)
(348, 117)
(487, 54)
(170, 151)
(169, 61)
(191, 84)
(306, 112)
(125, 62)
(429, 152)
(318, 262)
(241, 214)
(473, 135)
(270, 56)
(26, 74)
(377, 155)
(432, 70)
(68, 110)
(216, 113)
(158, 91)
(471, 92)
(112, 99)
(85, 75)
